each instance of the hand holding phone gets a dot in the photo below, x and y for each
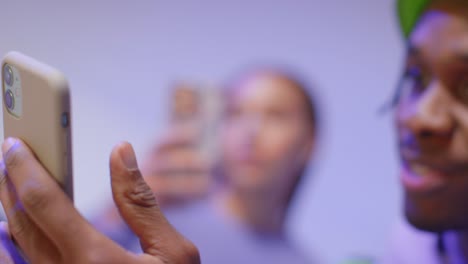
(36, 109)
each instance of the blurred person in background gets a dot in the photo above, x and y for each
(432, 127)
(267, 135)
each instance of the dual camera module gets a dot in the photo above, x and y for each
(8, 79)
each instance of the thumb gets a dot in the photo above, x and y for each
(139, 209)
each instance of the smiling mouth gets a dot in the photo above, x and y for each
(421, 178)
(422, 170)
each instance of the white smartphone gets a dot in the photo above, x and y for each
(36, 109)
(197, 107)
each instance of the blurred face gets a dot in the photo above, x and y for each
(267, 135)
(432, 120)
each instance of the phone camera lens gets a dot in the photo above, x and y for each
(8, 75)
(9, 100)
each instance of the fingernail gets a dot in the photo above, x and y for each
(128, 157)
(8, 144)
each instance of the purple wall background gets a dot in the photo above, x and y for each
(120, 57)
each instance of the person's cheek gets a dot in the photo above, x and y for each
(280, 151)
(278, 139)
(291, 142)
(459, 146)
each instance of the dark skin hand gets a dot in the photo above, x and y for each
(48, 229)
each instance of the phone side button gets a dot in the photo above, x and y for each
(65, 120)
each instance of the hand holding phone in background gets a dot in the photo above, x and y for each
(179, 166)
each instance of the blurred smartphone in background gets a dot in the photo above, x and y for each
(196, 108)
(36, 109)
(179, 167)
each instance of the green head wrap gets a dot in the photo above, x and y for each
(409, 12)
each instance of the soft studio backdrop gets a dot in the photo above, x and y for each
(120, 57)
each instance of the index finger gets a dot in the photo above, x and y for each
(42, 198)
